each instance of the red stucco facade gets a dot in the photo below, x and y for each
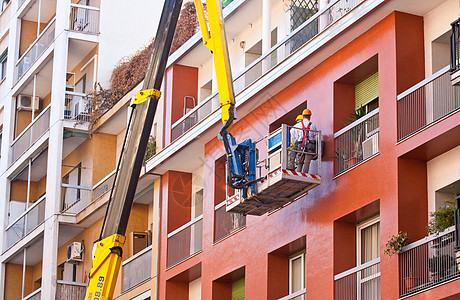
(392, 184)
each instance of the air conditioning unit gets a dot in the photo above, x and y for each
(75, 252)
(81, 108)
(370, 146)
(24, 102)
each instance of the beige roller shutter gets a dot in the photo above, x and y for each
(367, 90)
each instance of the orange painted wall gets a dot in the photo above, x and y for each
(375, 181)
(180, 81)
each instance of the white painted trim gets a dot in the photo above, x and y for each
(357, 269)
(427, 239)
(32, 294)
(355, 123)
(104, 179)
(84, 6)
(294, 295)
(424, 82)
(188, 224)
(71, 283)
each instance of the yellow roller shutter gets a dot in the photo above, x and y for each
(367, 90)
(238, 290)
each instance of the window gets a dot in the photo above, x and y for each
(3, 61)
(72, 193)
(367, 93)
(297, 273)
(238, 289)
(368, 248)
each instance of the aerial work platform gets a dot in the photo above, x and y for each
(281, 184)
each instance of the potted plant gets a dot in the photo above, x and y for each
(411, 281)
(442, 219)
(396, 243)
(341, 156)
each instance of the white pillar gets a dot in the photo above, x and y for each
(266, 33)
(7, 137)
(53, 179)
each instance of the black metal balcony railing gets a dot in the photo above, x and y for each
(312, 27)
(361, 282)
(357, 142)
(185, 241)
(427, 102)
(428, 262)
(455, 46)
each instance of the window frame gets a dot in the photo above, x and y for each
(3, 62)
(292, 258)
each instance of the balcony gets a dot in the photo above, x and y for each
(84, 18)
(70, 290)
(137, 269)
(227, 223)
(185, 241)
(44, 40)
(361, 282)
(318, 23)
(77, 107)
(357, 142)
(75, 198)
(26, 222)
(31, 134)
(426, 103)
(428, 262)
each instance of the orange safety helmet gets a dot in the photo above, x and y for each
(306, 112)
(299, 118)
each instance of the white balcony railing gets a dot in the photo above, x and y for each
(227, 223)
(26, 222)
(316, 24)
(185, 241)
(43, 41)
(428, 262)
(361, 282)
(357, 142)
(35, 295)
(84, 18)
(299, 295)
(427, 102)
(137, 269)
(77, 107)
(31, 134)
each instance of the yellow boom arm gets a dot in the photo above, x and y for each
(106, 264)
(214, 39)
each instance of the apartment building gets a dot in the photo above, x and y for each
(375, 74)
(55, 173)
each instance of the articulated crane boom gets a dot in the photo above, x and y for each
(241, 158)
(108, 250)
